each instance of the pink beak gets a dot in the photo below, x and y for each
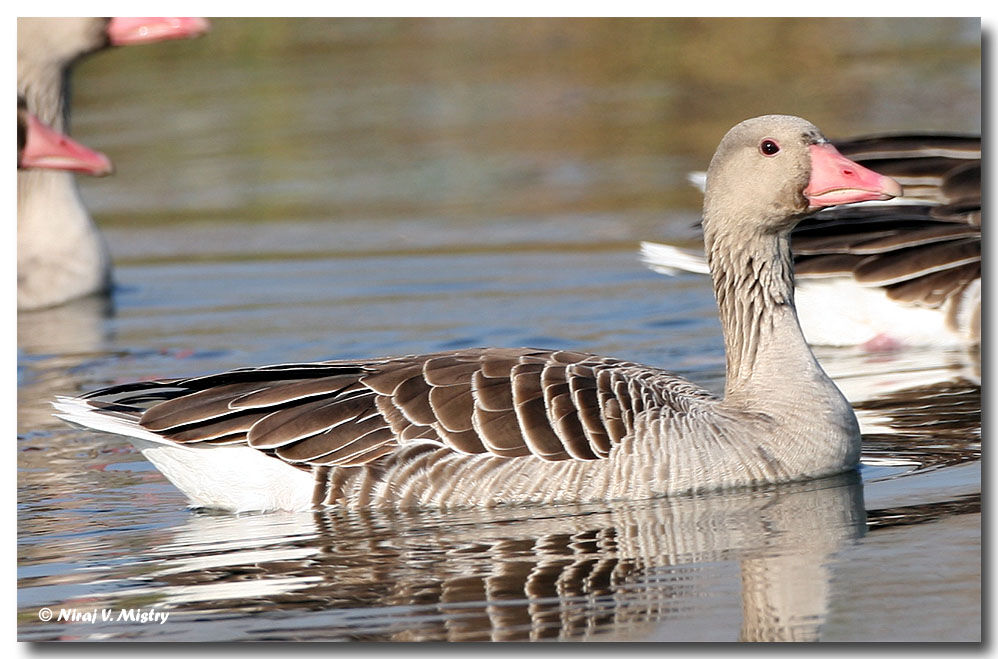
(128, 31)
(46, 148)
(837, 180)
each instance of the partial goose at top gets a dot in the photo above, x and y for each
(887, 275)
(61, 255)
(481, 427)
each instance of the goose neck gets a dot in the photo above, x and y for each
(45, 87)
(753, 282)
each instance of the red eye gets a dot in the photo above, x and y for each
(769, 147)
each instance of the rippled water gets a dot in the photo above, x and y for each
(314, 189)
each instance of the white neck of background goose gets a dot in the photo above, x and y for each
(60, 253)
(44, 84)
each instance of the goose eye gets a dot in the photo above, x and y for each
(769, 147)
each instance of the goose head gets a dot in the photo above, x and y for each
(771, 171)
(58, 42)
(61, 41)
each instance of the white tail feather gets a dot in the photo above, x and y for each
(669, 260)
(698, 179)
(236, 478)
(81, 413)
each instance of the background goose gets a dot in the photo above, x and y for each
(883, 275)
(60, 253)
(38, 146)
(486, 426)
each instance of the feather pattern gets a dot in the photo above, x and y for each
(529, 410)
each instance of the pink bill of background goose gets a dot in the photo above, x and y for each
(480, 427)
(903, 273)
(61, 255)
(41, 147)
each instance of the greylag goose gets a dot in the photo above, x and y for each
(41, 147)
(60, 253)
(888, 275)
(480, 427)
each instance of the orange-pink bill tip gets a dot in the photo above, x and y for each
(837, 180)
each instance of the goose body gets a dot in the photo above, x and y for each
(61, 255)
(883, 275)
(481, 427)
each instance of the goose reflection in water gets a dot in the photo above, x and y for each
(917, 407)
(932, 426)
(627, 571)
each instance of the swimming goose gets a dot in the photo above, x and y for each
(41, 147)
(480, 427)
(60, 253)
(888, 275)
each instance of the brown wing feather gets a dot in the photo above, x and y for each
(283, 393)
(492, 393)
(465, 441)
(303, 420)
(448, 370)
(453, 406)
(198, 406)
(562, 409)
(500, 432)
(917, 261)
(232, 427)
(528, 399)
(934, 289)
(826, 265)
(582, 384)
(412, 397)
(379, 450)
(387, 380)
(340, 442)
